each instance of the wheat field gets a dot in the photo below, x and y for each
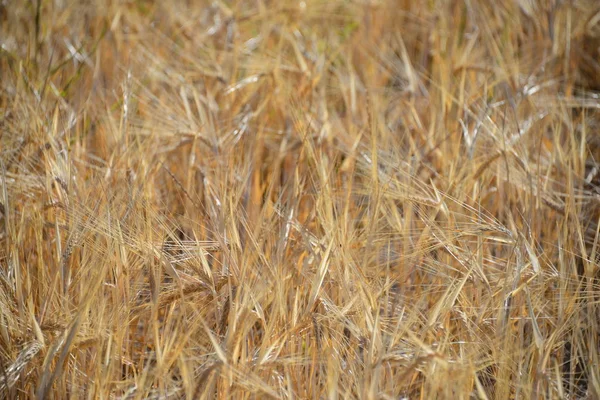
(252, 199)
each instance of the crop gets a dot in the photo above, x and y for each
(299, 199)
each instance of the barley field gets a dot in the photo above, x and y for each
(253, 199)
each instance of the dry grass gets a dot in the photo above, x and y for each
(299, 199)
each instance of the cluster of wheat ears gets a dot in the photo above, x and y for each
(362, 199)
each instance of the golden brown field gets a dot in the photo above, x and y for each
(299, 199)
